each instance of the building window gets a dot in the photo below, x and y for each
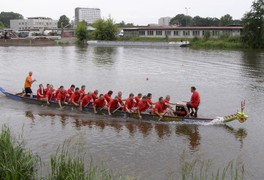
(215, 33)
(158, 33)
(150, 33)
(168, 33)
(186, 33)
(176, 33)
(141, 33)
(196, 33)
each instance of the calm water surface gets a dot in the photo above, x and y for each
(147, 150)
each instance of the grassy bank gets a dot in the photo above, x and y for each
(18, 163)
(15, 161)
(223, 42)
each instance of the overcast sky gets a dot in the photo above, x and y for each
(140, 12)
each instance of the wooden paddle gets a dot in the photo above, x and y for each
(163, 116)
(116, 109)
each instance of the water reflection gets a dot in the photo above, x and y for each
(240, 133)
(104, 56)
(162, 130)
(254, 64)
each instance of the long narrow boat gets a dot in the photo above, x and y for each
(240, 116)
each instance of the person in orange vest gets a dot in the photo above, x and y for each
(28, 83)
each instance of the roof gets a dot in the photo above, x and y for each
(184, 28)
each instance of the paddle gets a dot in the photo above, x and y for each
(162, 116)
(116, 109)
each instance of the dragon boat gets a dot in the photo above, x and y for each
(180, 114)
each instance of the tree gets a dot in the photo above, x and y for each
(123, 24)
(104, 29)
(178, 20)
(2, 26)
(63, 21)
(226, 20)
(5, 17)
(81, 32)
(253, 22)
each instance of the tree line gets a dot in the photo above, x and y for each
(183, 20)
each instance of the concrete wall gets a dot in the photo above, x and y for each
(26, 42)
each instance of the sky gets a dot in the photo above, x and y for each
(139, 12)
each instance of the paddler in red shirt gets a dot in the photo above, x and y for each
(108, 95)
(137, 99)
(120, 99)
(149, 101)
(95, 95)
(46, 89)
(82, 92)
(70, 91)
(129, 104)
(142, 106)
(167, 106)
(62, 96)
(41, 93)
(158, 109)
(194, 102)
(75, 97)
(51, 94)
(86, 101)
(113, 105)
(100, 103)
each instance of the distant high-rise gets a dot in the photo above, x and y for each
(164, 21)
(89, 15)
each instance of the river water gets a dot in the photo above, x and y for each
(146, 150)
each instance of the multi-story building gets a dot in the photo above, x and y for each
(181, 32)
(33, 23)
(89, 15)
(164, 21)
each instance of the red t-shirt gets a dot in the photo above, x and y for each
(99, 103)
(120, 100)
(195, 99)
(57, 91)
(70, 92)
(164, 104)
(113, 104)
(107, 97)
(129, 104)
(61, 96)
(41, 92)
(86, 100)
(142, 106)
(159, 107)
(137, 100)
(75, 97)
(45, 91)
(94, 96)
(149, 101)
(81, 92)
(51, 94)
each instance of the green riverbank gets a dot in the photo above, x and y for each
(17, 162)
(223, 42)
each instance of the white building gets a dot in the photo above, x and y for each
(89, 15)
(181, 32)
(33, 23)
(164, 21)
